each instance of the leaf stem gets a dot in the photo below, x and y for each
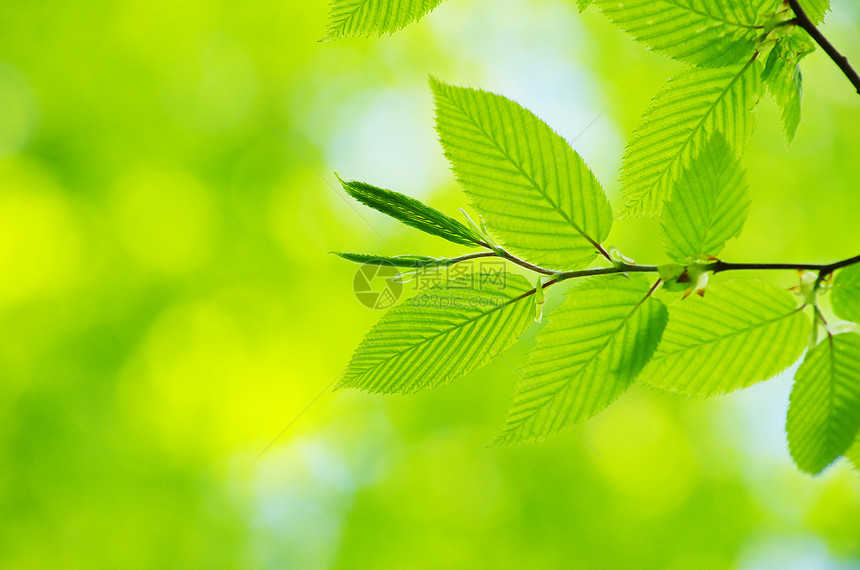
(527, 265)
(620, 268)
(471, 256)
(499, 252)
(840, 60)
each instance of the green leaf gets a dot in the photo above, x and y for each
(695, 104)
(783, 79)
(824, 407)
(586, 356)
(412, 213)
(530, 186)
(405, 261)
(582, 5)
(441, 334)
(708, 204)
(374, 17)
(845, 295)
(853, 453)
(739, 333)
(815, 9)
(702, 32)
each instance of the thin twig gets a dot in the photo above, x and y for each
(823, 269)
(716, 267)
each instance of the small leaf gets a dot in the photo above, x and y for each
(586, 356)
(824, 407)
(708, 204)
(674, 277)
(739, 333)
(441, 334)
(693, 106)
(405, 261)
(807, 288)
(783, 79)
(530, 186)
(845, 294)
(374, 17)
(412, 213)
(685, 279)
(702, 32)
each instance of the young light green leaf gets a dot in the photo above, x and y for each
(675, 277)
(582, 5)
(532, 189)
(374, 17)
(404, 261)
(783, 79)
(586, 356)
(441, 334)
(695, 104)
(845, 294)
(815, 9)
(824, 407)
(702, 32)
(687, 279)
(739, 333)
(708, 204)
(412, 213)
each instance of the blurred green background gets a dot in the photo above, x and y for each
(168, 306)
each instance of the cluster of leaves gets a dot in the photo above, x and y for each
(542, 208)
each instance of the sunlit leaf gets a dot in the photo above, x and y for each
(702, 32)
(708, 204)
(534, 191)
(586, 356)
(441, 334)
(845, 295)
(739, 333)
(374, 17)
(824, 407)
(815, 9)
(695, 104)
(783, 79)
(412, 212)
